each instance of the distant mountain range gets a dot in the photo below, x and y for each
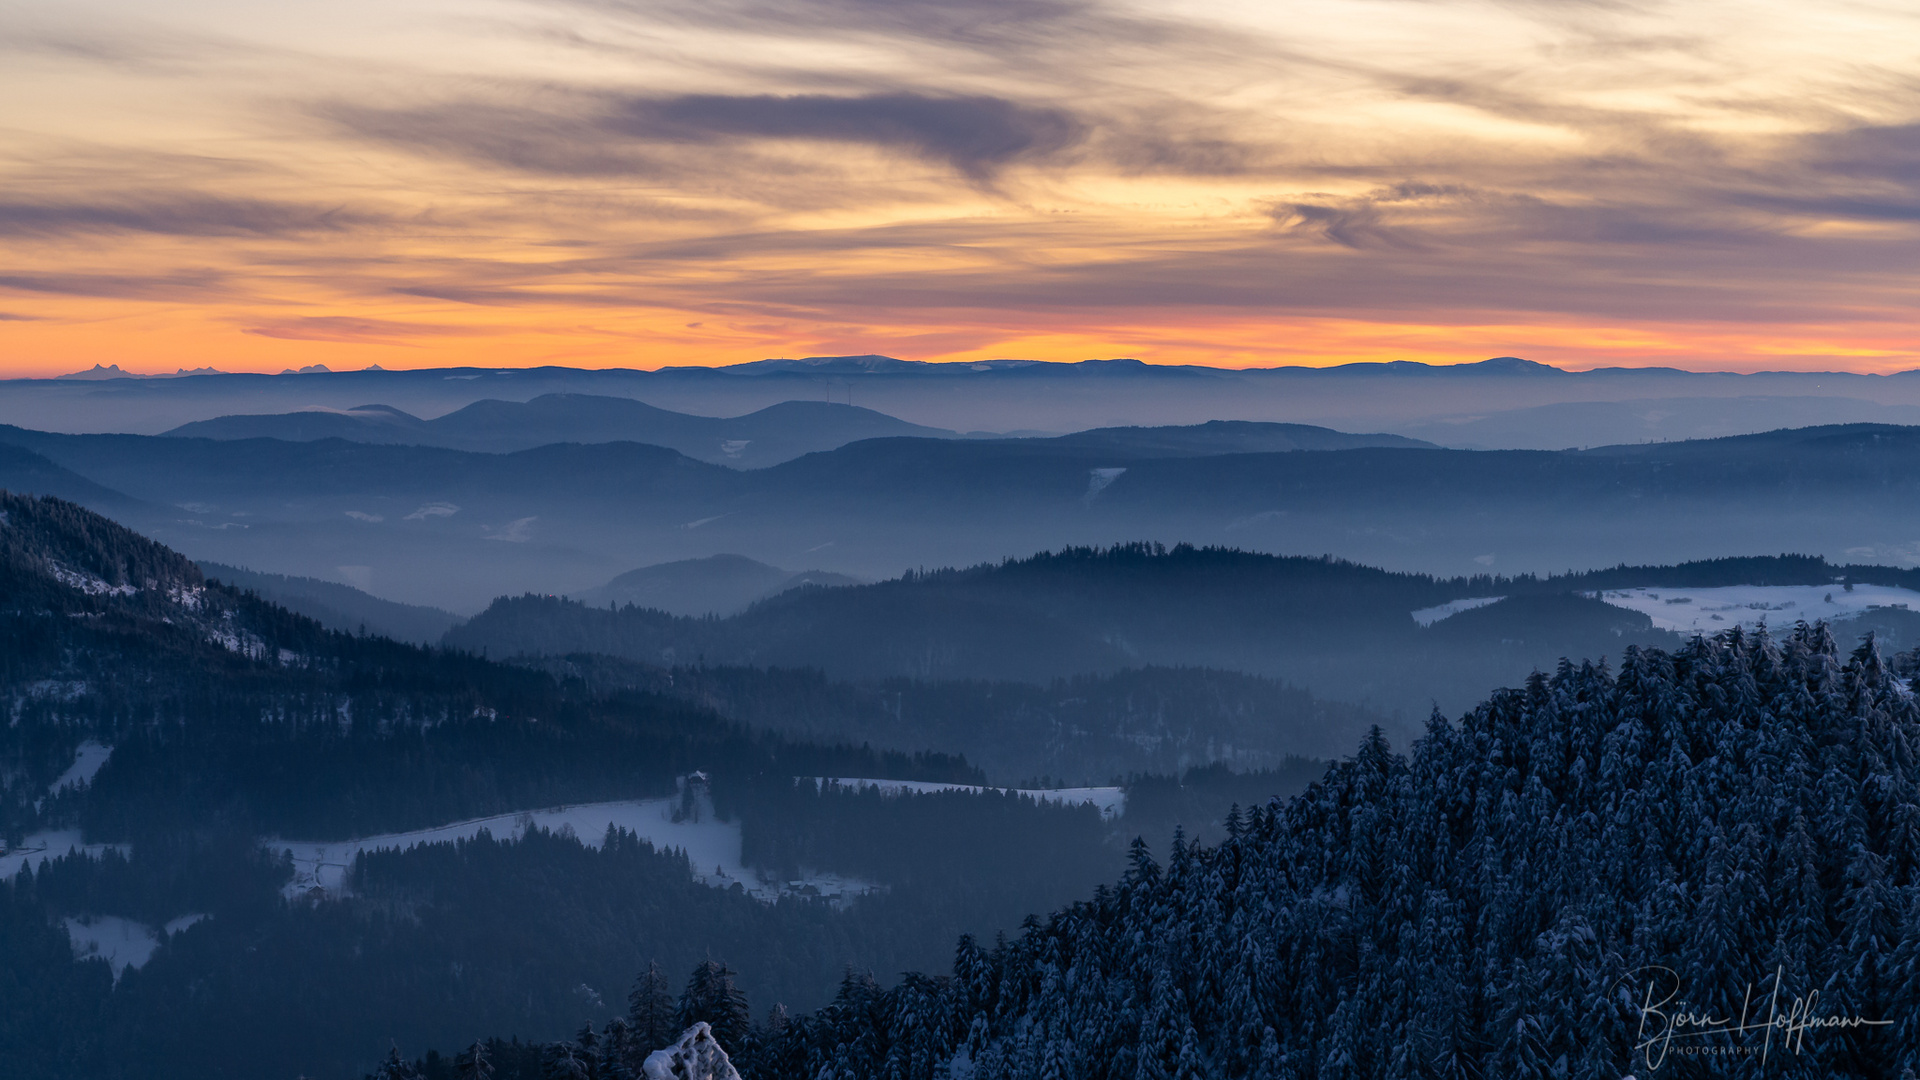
(775, 434)
(1490, 404)
(453, 529)
(1600, 423)
(767, 437)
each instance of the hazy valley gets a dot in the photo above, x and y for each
(469, 724)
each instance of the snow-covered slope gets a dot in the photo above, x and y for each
(121, 942)
(712, 846)
(1431, 615)
(1709, 610)
(86, 762)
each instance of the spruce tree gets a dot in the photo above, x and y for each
(474, 1063)
(651, 1014)
(712, 995)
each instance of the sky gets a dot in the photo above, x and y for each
(641, 183)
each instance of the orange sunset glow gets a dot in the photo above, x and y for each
(602, 183)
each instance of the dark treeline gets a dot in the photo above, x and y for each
(957, 848)
(1199, 803)
(1741, 814)
(340, 761)
(1087, 729)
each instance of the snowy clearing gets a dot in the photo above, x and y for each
(51, 845)
(1427, 616)
(1110, 801)
(1098, 480)
(122, 943)
(712, 847)
(86, 762)
(1708, 610)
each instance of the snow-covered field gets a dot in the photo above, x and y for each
(712, 847)
(122, 943)
(86, 763)
(50, 845)
(1709, 610)
(1110, 801)
(1427, 616)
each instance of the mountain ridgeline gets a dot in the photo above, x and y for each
(765, 437)
(1503, 402)
(715, 585)
(453, 529)
(1341, 631)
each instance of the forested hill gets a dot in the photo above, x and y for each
(220, 705)
(1742, 813)
(1338, 629)
(1089, 729)
(1054, 613)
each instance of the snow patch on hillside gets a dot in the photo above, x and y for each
(1427, 616)
(712, 847)
(229, 636)
(187, 596)
(1098, 481)
(86, 762)
(122, 943)
(57, 689)
(90, 584)
(1747, 606)
(51, 845)
(1110, 801)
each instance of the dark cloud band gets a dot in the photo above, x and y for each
(975, 135)
(604, 136)
(182, 215)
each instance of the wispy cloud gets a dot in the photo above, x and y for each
(976, 135)
(179, 215)
(348, 329)
(176, 285)
(601, 135)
